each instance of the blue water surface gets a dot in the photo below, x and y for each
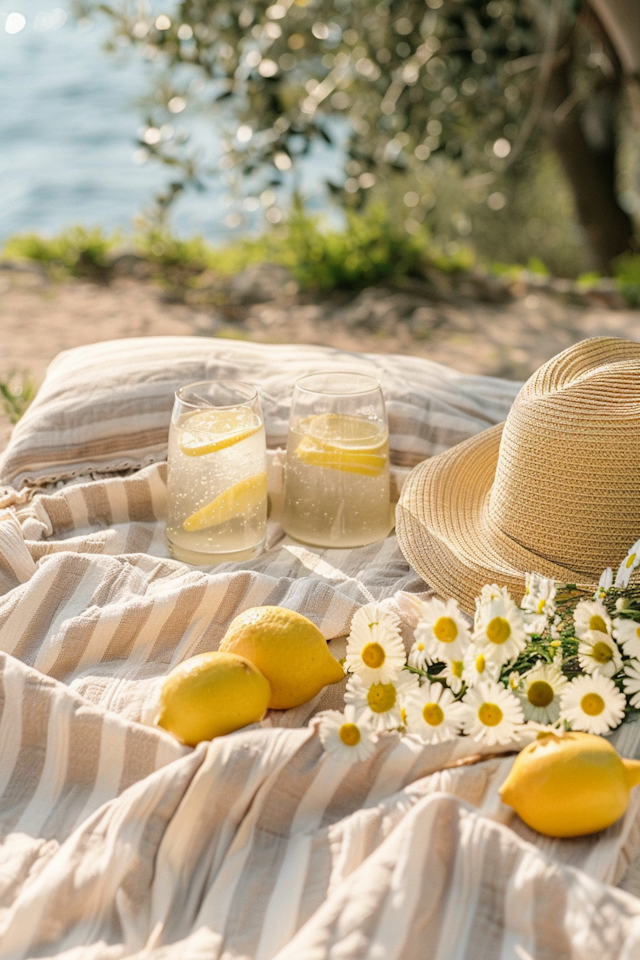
(69, 120)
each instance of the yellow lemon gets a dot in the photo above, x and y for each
(210, 695)
(214, 430)
(288, 649)
(239, 500)
(341, 442)
(569, 786)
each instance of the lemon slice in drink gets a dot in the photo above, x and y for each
(341, 442)
(239, 500)
(214, 430)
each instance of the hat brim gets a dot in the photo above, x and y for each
(446, 533)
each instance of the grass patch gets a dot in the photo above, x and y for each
(76, 252)
(627, 273)
(16, 393)
(371, 249)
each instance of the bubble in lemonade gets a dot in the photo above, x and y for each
(337, 480)
(217, 485)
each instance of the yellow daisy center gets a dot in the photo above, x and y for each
(381, 697)
(456, 668)
(601, 652)
(638, 632)
(630, 560)
(540, 693)
(498, 630)
(490, 714)
(597, 623)
(349, 734)
(541, 604)
(480, 663)
(373, 655)
(445, 630)
(433, 714)
(420, 646)
(592, 704)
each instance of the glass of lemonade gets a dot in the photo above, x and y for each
(217, 473)
(337, 467)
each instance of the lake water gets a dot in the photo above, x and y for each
(68, 127)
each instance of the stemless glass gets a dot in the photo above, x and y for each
(337, 467)
(217, 473)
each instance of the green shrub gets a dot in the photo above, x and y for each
(588, 280)
(626, 270)
(506, 271)
(459, 261)
(77, 251)
(537, 266)
(369, 250)
(17, 392)
(159, 246)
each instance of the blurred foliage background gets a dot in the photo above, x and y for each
(505, 127)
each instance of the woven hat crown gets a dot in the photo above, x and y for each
(567, 481)
(554, 490)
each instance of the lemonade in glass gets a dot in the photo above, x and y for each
(337, 491)
(217, 479)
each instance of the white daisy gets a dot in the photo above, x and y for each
(375, 650)
(534, 624)
(381, 703)
(478, 666)
(442, 629)
(539, 595)
(499, 627)
(453, 674)
(555, 631)
(631, 682)
(598, 653)
(434, 714)
(628, 565)
(346, 736)
(627, 633)
(491, 592)
(488, 594)
(514, 680)
(419, 656)
(591, 615)
(540, 694)
(538, 603)
(495, 715)
(592, 703)
(558, 728)
(604, 583)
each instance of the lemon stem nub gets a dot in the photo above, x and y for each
(633, 771)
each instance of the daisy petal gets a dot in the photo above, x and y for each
(592, 703)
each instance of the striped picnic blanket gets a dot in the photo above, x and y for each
(116, 841)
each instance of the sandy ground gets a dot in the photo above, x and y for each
(40, 317)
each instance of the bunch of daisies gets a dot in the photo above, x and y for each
(560, 660)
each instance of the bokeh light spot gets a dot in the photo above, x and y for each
(15, 22)
(502, 148)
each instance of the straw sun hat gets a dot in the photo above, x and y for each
(554, 490)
